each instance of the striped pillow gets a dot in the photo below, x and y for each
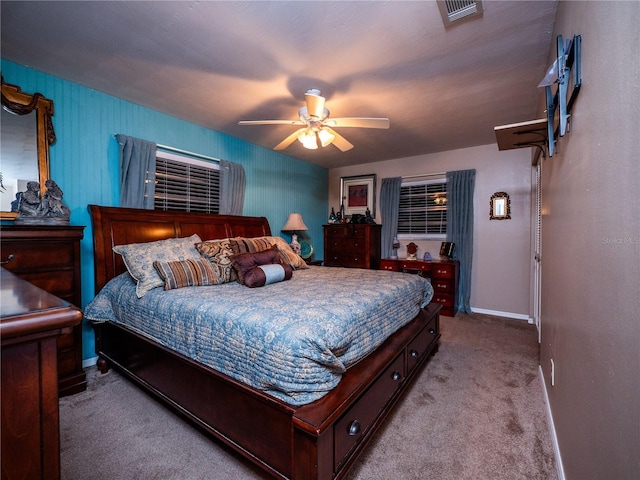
(187, 273)
(257, 244)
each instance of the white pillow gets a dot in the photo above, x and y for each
(139, 258)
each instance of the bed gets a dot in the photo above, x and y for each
(300, 433)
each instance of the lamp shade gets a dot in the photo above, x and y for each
(294, 223)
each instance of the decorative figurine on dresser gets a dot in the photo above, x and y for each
(43, 249)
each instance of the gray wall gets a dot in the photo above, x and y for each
(591, 251)
(500, 275)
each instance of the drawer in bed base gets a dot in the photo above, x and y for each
(357, 421)
(423, 344)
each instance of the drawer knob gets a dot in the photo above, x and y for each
(415, 353)
(9, 258)
(354, 428)
(396, 376)
(432, 331)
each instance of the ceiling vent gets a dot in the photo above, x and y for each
(453, 11)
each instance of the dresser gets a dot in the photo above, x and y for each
(49, 257)
(443, 274)
(352, 245)
(31, 322)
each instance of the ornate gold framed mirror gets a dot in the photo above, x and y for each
(27, 133)
(500, 206)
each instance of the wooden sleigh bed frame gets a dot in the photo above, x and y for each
(320, 440)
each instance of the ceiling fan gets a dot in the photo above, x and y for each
(316, 126)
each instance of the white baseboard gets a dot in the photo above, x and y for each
(89, 362)
(552, 427)
(497, 313)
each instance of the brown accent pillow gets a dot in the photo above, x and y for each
(219, 253)
(244, 262)
(186, 273)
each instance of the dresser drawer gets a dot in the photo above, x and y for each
(443, 285)
(347, 230)
(444, 299)
(413, 266)
(37, 256)
(443, 271)
(346, 259)
(61, 284)
(389, 265)
(352, 427)
(347, 244)
(418, 347)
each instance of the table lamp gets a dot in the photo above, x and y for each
(294, 224)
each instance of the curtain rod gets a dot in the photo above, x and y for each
(425, 175)
(184, 152)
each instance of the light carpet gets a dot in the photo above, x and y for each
(476, 411)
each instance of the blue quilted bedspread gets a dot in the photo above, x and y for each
(292, 339)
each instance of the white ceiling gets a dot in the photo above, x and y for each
(216, 63)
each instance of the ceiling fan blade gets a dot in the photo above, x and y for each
(361, 122)
(315, 103)
(339, 141)
(289, 140)
(271, 122)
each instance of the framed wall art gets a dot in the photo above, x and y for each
(500, 206)
(358, 193)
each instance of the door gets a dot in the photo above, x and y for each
(537, 254)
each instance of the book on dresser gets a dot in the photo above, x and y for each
(49, 257)
(443, 274)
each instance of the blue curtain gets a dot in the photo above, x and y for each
(460, 187)
(137, 165)
(389, 207)
(232, 186)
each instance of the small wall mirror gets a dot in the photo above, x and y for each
(500, 206)
(27, 132)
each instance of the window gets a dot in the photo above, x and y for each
(423, 210)
(186, 184)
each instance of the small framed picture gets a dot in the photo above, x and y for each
(358, 194)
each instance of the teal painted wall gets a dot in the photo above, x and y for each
(84, 162)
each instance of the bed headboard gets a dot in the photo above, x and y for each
(118, 226)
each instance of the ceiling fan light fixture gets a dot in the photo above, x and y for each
(326, 137)
(308, 139)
